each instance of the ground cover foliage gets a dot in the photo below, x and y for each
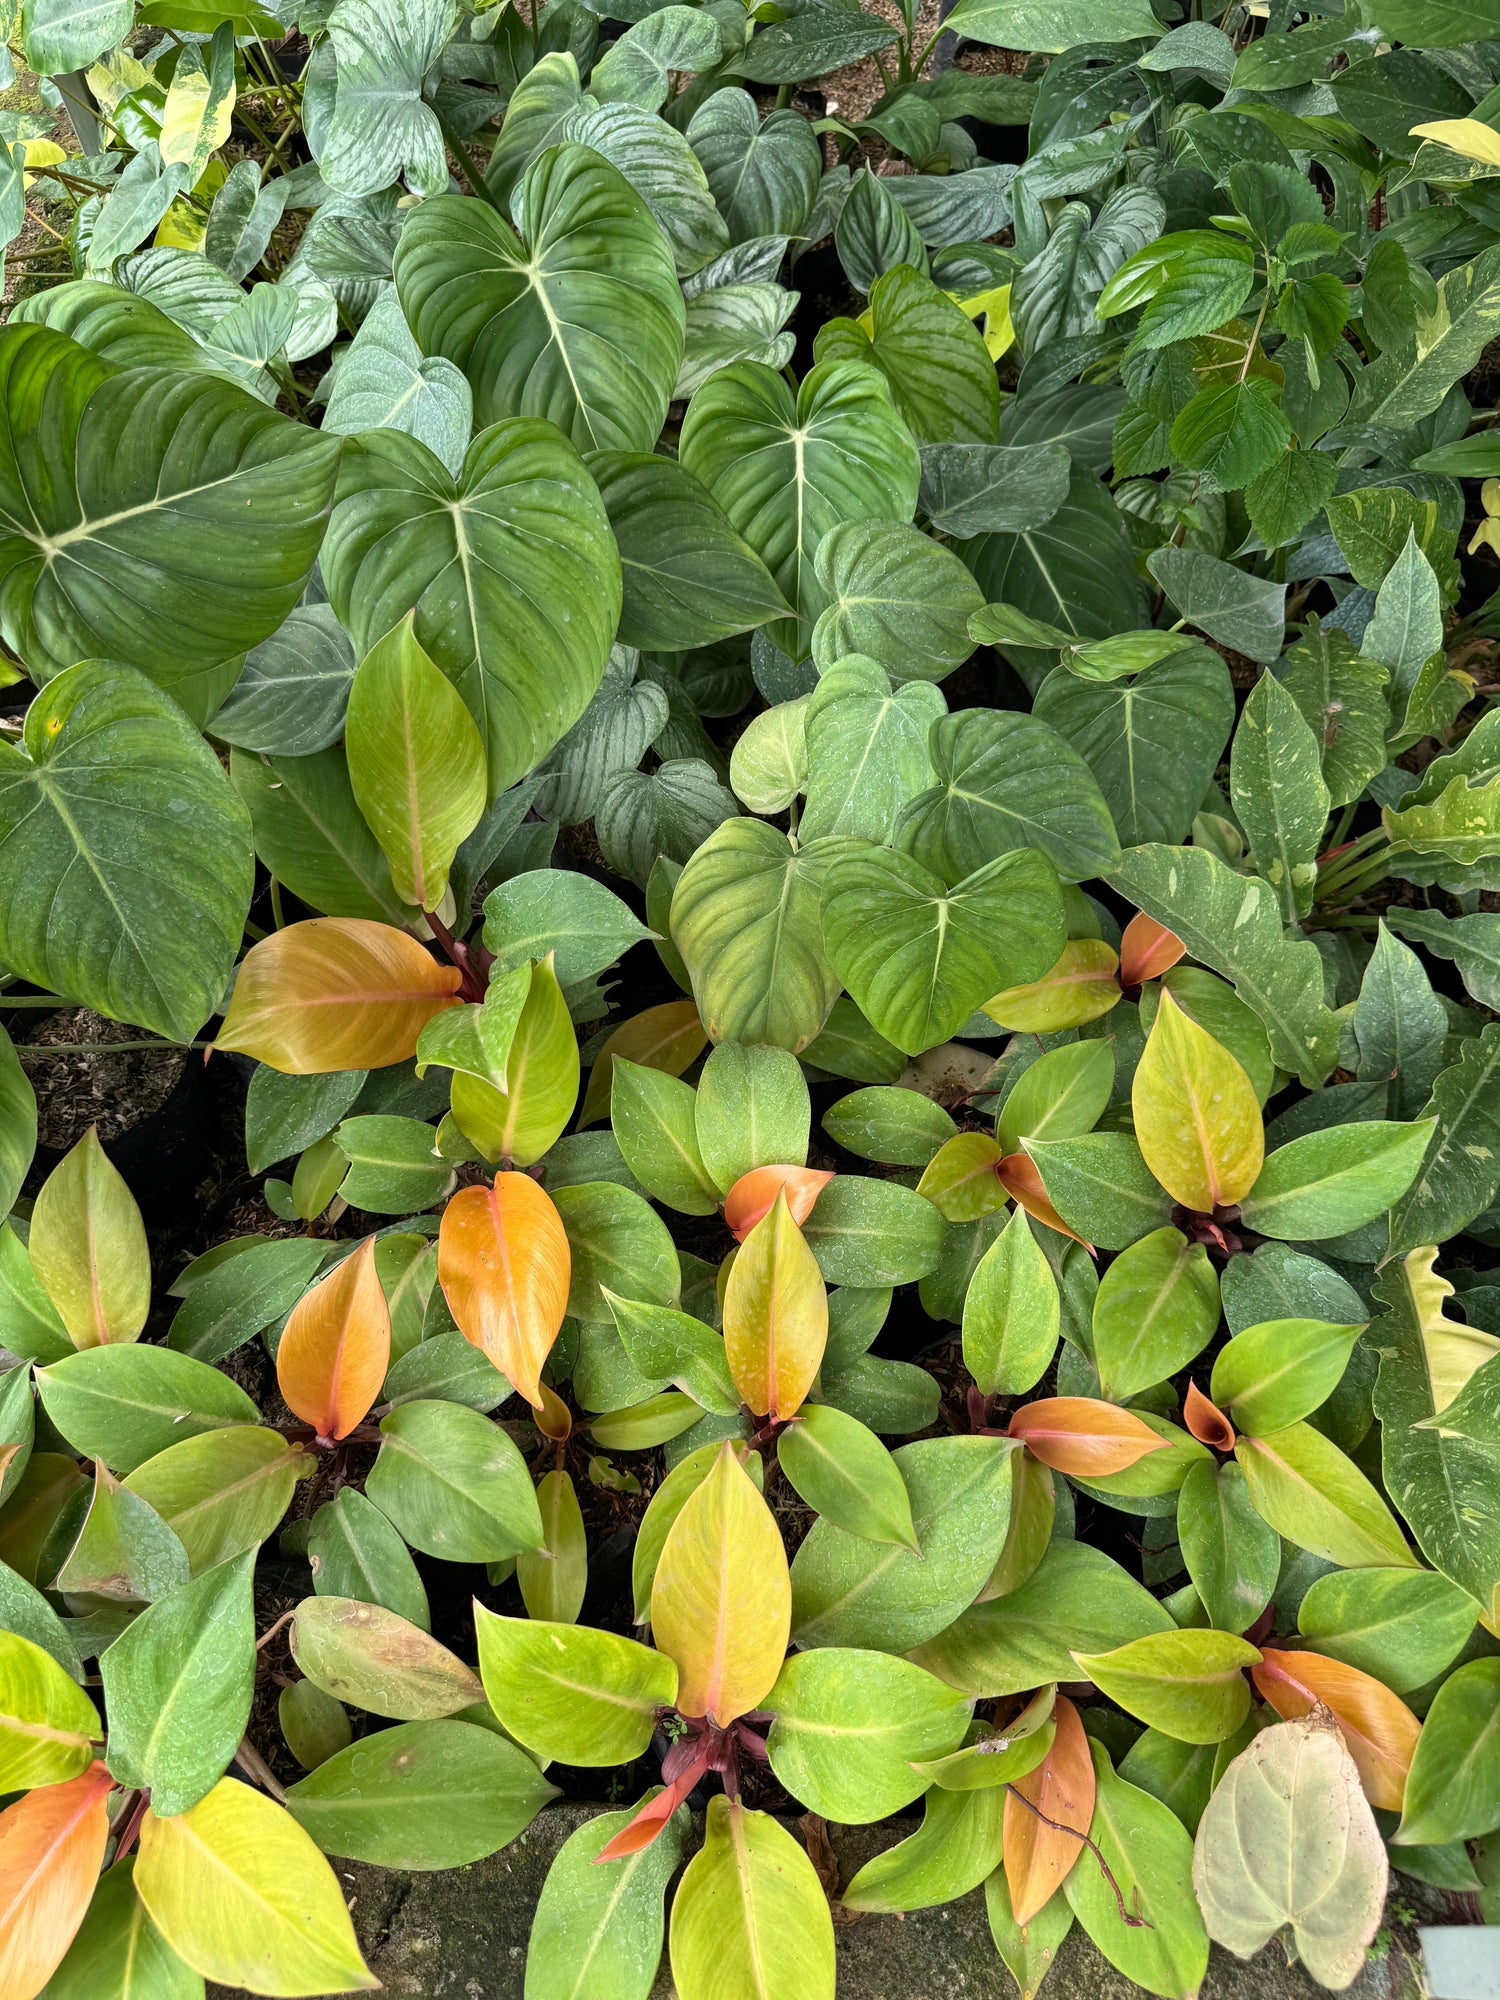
(830, 777)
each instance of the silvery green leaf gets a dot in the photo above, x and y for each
(183, 285)
(62, 35)
(735, 323)
(636, 69)
(384, 382)
(875, 233)
(141, 197)
(612, 735)
(753, 262)
(381, 127)
(290, 698)
(1054, 295)
(257, 330)
(317, 316)
(671, 812)
(242, 219)
(664, 171)
(540, 106)
(955, 208)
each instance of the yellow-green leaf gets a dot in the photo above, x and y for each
(750, 1920)
(775, 1316)
(721, 1601)
(88, 1247)
(47, 1722)
(518, 1124)
(416, 762)
(241, 1892)
(1197, 1118)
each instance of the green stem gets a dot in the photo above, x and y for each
(467, 166)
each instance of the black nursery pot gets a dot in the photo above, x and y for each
(165, 1157)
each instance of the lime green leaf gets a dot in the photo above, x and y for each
(48, 1725)
(750, 1914)
(849, 1726)
(846, 1475)
(1012, 1313)
(1189, 1684)
(1279, 1371)
(570, 1692)
(602, 1921)
(1150, 1855)
(1156, 1309)
(239, 1890)
(1404, 1626)
(454, 1484)
(1453, 1787)
(1319, 1499)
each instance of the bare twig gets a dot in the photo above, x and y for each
(1136, 1922)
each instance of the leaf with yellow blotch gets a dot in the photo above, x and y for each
(51, 1849)
(1079, 987)
(721, 1600)
(1147, 950)
(1038, 1857)
(335, 993)
(754, 1195)
(1452, 1352)
(1468, 137)
(336, 1347)
(669, 1038)
(1197, 1118)
(237, 1889)
(1082, 1436)
(416, 763)
(505, 1266)
(775, 1316)
(1377, 1726)
(518, 1124)
(88, 1247)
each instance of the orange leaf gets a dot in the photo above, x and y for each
(775, 1316)
(1017, 1173)
(335, 993)
(1147, 950)
(1038, 1858)
(721, 1601)
(51, 1848)
(1083, 1436)
(669, 1037)
(504, 1266)
(336, 1347)
(640, 1832)
(753, 1195)
(1380, 1730)
(1206, 1421)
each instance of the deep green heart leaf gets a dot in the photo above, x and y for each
(578, 319)
(137, 915)
(689, 578)
(918, 958)
(173, 544)
(510, 568)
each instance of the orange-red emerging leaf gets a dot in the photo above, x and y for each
(1147, 950)
(754, 1194)
(335, 993)
(504, 1266)
(1017, 1174)
(1206, 1421)
(336, 1347)
(1380, 1730)
(51, 1847)
(647, 1824)
(1083, 1436)
(1039, 1858)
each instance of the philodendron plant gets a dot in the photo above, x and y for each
(822, 768)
